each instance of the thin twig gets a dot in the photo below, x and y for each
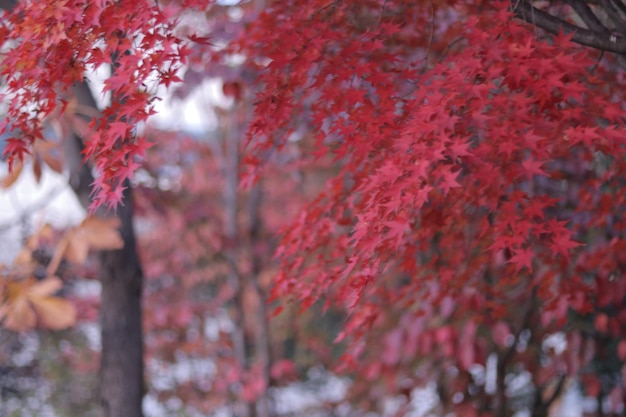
(432, 35)
(382, 11)
(592, 70)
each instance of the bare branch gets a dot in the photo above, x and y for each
(614, 15)
(604, 41)
(619, 5)
(587, 15)
(8, 4)
(557, 391)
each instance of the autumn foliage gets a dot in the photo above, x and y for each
(479, 190)
(477, 198)
(56, 44)
(28, 290)
(459, 177)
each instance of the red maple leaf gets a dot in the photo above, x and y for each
(532, 167)
(562, 244)
(448, 181)
(522, 258)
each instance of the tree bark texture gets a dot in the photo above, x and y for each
(121, 276)
(121, 370)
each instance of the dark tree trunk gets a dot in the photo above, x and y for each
(121, 276)
(121, 372)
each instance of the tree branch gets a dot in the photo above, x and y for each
(557, 391)
(614, 15)
(80, 176)
(588, 16)
(604, 41)
(619, 5)
(8, 4)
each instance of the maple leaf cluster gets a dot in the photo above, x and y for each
(451, 170)
(48, 46)
(477, 191)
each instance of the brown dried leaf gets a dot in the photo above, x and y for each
(93, 233)
(55, 313)
(44, 287)
(12, 176)
(30, 302)
(37, 168)
(20, 316)
(101, 233)
(50, 153)
(77, 248)
(58, 255)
